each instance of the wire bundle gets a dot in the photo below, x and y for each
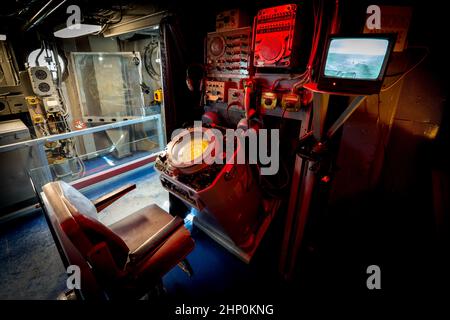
(108, 17)
(305, 77)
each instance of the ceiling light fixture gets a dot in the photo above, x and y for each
(77, 30)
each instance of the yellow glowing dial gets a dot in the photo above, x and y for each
(193, 149)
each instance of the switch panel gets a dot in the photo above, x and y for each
(217, 91)
(229, 53)
(52, 103)
(236, 96)
(274, 37)
(231, 19)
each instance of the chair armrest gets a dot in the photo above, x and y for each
(151, 244)
(107, 199)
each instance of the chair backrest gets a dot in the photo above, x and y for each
(83, 231)
(96, 232)
(60, 219)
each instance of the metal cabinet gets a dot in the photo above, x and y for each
(15, 186)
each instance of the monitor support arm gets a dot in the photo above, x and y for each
(315, 166)
(356, 102)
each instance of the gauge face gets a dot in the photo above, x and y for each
(192, 150)
(156, 61)
(217, 46)
(271, 49)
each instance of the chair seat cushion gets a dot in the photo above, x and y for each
(138, 227)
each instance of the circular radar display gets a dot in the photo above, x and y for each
(217, 46)
(192, 150)
(271, 49)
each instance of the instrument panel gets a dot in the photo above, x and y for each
(274, 36)
(229, 53)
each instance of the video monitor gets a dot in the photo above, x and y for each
(355, 64)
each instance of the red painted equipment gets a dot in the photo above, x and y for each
(274, 37)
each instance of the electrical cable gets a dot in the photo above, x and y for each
(107, 17)
(282, 114)
(65, 114)
(82, 170)
(277, 81)
(59, 83)
(391, 85)
(396, 74)
(57, 64)
(305, 77)
(335, 23)
(39, 54)
(271, 188)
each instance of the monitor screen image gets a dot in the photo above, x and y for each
(356, 58)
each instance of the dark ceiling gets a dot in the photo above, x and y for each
(43, 15)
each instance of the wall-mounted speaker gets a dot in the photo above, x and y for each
(41, 81)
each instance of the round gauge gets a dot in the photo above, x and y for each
(217, 46)
(192, 150)
(156, 61)
(2, 107)
(271, 49)
(44, 87)
(40, 74)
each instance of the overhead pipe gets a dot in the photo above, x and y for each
(43, 13)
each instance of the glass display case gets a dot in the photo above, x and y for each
(47, 158)
(106, 113)
(144, 138)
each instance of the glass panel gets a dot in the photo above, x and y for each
(84, 165)
(109, 84)
(93, 149)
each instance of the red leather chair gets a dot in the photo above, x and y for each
(124, 260)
